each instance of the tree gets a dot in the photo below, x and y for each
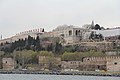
(92, 35)
(23, 57)
(58, 48)
(45, 53)
(95, 36)
(72, 56)
(2, 53)
(93, 53)
(75, 56)
(37, 46)
(102, 28)
(101, 37)
(50, 47)
(97, 27)
(119, 37)
(71, 48)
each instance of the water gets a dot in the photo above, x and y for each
(52, 77)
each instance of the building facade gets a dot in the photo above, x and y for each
(49, 63)
(108, 63)
(8, 64)
(70, 65)
(71, 34)
(110, 34)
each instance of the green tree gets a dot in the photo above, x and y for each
(72, 56)
(45, 53)
(38, 46)
(23, 57)
(58, 48)
(92, 53)
(97, 27)
(2, 53)
(75, 56)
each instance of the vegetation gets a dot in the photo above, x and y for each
(30, 43)
(80, 55)
(25, 52)
(45, 53)
(97, 27)
(25, 58)
(94, 36)
(2, 53)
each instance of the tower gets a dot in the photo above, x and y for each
(1, 37)
(92, 25)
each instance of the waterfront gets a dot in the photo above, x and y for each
(53, 77)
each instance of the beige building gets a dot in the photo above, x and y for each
(43, 62)
(8, 63)
(113, 64)
(70, 65)
(49, 63)
(71, 34)
(108, 63)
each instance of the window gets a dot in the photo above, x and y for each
(115, 63)
(70, 33)
(5, 61)
(76, 32)
(98, 67)
(75, 62)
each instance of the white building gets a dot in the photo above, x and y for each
(71, 34)
(109, 34)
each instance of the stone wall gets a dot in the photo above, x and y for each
(8, 64)
(50, 63)
(113, 65)
(108, 63)
(22, 35)
(70, 65)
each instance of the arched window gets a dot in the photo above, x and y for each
(76, 32)
(70, 32)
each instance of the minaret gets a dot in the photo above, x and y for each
(1, 37)
(92, 25)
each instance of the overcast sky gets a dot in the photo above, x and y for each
(20, 15)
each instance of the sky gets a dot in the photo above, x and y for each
(21, 15)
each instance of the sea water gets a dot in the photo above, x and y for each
(53, 77)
